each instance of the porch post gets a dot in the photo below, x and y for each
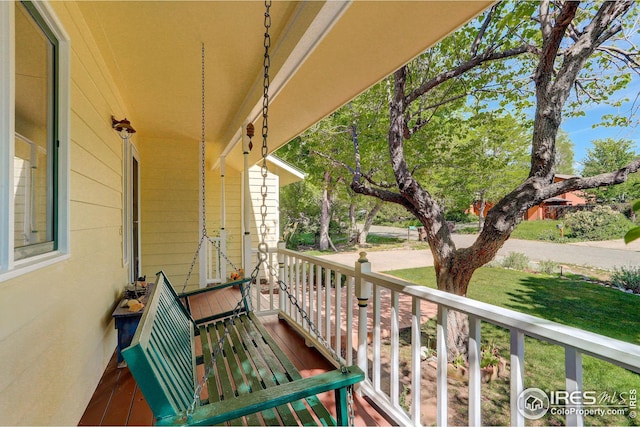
(441, 369)
(246, 238)
(573, 382)
(517, 375)
(363, 293)
(222, 268)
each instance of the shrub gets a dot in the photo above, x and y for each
(547, 266)
(516, 261)
(627, 278)
(602, 223)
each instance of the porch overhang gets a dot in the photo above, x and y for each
(287, 173)
(322, 55)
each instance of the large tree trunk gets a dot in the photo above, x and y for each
(325, 213)
(368, 222)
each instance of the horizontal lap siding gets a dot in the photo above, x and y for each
(56, 331)
(272, 203)
(169, 180)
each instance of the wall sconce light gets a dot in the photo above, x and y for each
(123, 127)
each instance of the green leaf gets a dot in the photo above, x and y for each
(636, 206)
(632, 235)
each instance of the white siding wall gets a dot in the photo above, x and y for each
(56, 331)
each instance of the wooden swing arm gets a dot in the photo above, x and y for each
(219, 412)
(184, 296)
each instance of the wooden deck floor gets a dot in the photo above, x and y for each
(118, 401)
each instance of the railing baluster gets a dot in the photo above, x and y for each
(517, 375)
(338, 313)
(319, 288)
(281, 274)
(416, 372)
(441, 372)
(349, 304)
(376, 339)
(394, 364)
(573, 380)
(310, 276)
(291, 286)
(272, 279)
(303, 294)
(327, 303)
(475, 413)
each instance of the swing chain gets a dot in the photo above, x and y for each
(263, 248)
(203, 151)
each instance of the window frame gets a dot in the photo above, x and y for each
(9, 266)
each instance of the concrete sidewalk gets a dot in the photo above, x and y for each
(605, 255)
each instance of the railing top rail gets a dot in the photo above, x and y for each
(340, 268)
(615, 351)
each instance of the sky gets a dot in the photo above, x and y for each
(582, 132)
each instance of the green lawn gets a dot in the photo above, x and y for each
(569, 301)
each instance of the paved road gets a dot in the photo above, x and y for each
(606, 255)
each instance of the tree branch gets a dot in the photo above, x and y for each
(605, 179)
(483, 30)
(384, 195)
(333, 161)
(464, 67)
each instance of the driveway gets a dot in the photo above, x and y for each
(605, 255)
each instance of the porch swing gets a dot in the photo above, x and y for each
(245, 376)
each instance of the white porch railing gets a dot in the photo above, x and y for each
(334, 296)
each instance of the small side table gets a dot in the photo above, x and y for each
(126, 323)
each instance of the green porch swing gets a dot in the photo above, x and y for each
(245, 378)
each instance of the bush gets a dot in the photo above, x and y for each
(547, 266)
(627, 278)
(516, 261)
(602, 223)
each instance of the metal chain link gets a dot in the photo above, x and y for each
(203, 182)
(263, 248)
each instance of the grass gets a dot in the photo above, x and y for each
(375, 242)
(569, 301)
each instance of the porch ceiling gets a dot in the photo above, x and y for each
(323, 54)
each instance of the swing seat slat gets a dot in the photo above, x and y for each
(251, 380)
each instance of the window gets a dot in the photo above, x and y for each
(34, 104)
(34, 164)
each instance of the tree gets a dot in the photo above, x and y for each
(492, 157)
(606, 155)
(321, 173)
(560, 48)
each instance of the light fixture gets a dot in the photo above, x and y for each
(123, 127)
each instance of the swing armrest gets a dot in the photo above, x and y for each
(229, 409)
(213, 288)
(186, 295)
